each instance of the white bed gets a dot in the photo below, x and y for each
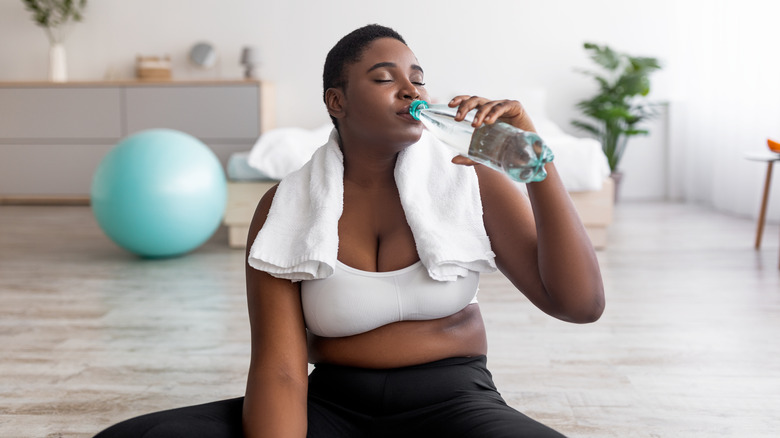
(580, 162)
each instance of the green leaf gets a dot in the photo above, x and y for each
(596, 132)
(634, 84)
(644, 64)
(603, 56)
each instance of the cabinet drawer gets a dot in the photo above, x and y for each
(49, 169)
(77, 113)
(223, 113)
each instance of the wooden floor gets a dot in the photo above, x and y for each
(689, 345)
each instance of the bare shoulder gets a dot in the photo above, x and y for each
(261, 213)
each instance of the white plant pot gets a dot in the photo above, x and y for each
(58, 68)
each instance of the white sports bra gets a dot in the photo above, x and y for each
(352, 301)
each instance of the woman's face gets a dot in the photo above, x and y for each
(379, 89)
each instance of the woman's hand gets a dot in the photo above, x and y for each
(492, 111)
(489, 112)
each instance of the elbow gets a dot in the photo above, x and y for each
(592, 313)
(585, 311)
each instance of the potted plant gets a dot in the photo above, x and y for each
(53, 15)
(620, 105)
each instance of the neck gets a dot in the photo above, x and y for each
(368, 165)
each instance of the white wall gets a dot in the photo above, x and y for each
(727, 89)
(496, 49)
(493, 47)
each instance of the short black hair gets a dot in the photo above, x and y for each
(348, 50)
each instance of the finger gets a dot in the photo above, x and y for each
(468, 103)
(509, 111)
(515, 114)
(485, 111)
(496, 110)
(484, 106)
(463, 161)
(509, 108)
(457, 100)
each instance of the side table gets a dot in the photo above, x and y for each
(769, 158)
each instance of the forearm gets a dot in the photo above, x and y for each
(275, 407)
(568, 266)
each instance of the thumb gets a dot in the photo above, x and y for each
(463, 161)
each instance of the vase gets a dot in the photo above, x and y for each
(58, 68)
(616, 178)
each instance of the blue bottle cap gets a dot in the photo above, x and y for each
(416, 107)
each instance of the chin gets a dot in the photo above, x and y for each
(411, 136)
(406, 142)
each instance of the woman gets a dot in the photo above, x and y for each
(425, 377)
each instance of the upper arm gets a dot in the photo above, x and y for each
(277, 379)
(275, 312)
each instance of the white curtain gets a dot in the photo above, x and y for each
(725, 101)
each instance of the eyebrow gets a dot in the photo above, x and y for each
(392, 65)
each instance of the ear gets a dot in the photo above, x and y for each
(334, 100)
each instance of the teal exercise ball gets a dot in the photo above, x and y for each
(159, 193)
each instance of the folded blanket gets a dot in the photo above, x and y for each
(441, 201)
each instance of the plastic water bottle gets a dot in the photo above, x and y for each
(520, 154)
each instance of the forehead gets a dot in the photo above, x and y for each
(387, 50)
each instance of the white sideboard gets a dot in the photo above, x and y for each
(53, 136)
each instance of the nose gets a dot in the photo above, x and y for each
(409, 91)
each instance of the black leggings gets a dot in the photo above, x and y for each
(447, 398)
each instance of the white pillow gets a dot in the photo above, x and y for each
(281, 151)
(238, 168)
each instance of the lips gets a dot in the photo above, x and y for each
(404, 113)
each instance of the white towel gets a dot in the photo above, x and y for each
(441, 201)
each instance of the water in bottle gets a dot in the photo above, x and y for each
(520, 154)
